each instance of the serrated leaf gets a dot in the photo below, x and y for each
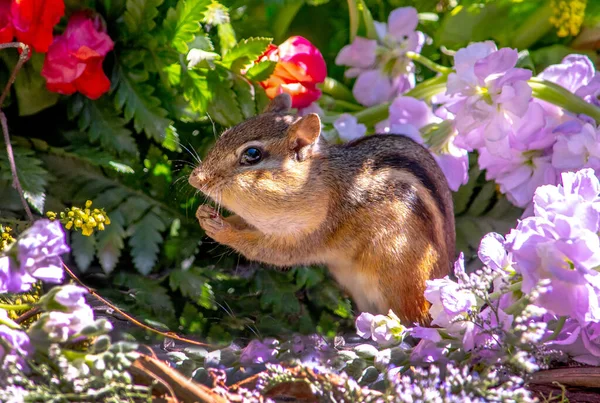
(32, 176)
(110, 242)
(226, 37)
(277, 295)
(245, 52)
(147, 294)
(145, 238)
(171, 142)
(188, 282)
(140, 14)
(97, 157)
(224, 107)
(196, 91)
(183, 22)
(201, 58)
(134, 97)
(83, 249)
(261, 71)
(102, 123)
(244, 92)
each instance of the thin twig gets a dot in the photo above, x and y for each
(131, 318)
(27, 315)
(9, 151)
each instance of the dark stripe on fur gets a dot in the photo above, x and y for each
(417, 169)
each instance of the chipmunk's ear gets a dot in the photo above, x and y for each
(280, 104)
(303, 134)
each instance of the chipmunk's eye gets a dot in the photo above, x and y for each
(251, 156)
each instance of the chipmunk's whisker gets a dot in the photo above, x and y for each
(193, 153)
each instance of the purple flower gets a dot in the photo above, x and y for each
(520, 175)
(312, 108)
(348, 127)
(363, 325)
(573, 151)
(257, 352)
(581, 342)
(67, 298)
(60, 327)
(408, 115)
(574, 72)
(449, 303)
(591, 92)
(12, 278)
(492, 253)
(560, 245)
(385, 330)
(15, 345)
(381, 67)
(492, 96)
(40, 248)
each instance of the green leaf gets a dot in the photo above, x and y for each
(245, 95)
(83, 249)
(145, 238)
(192, 285)
(183, 22)
(278, 296)
(245, 52)
(110, 242)
(224, 107)
(30, 87)
(135, 98)
(261, 71)
(196, 91)
(32, 175)
(102, 123)
(201, 58)
(226, 37)
(147, 294)
(260, 98)
(140, 14)
(309, 276)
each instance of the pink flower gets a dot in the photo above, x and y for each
(33, 21)
(6, 27)
(381, 67)
(300, 67)
(74, 60)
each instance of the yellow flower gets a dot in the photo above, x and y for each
(568, 16)
(86, 219)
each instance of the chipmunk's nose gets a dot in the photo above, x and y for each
(197, 178)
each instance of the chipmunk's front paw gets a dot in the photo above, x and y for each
(213, 224)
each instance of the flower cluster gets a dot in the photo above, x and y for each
(85, 219)
(544, 287)
(35, 256)
(74, 59)
(380, 65)
(300, 67)
(5, 237)
(523, 142)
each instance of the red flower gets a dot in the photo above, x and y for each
(33, 21)
(74, 60)
(300, 67)
(6, 28)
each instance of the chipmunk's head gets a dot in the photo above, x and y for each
(261, 168)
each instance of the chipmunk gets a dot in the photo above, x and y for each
(376, 211)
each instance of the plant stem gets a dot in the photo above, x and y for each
(431, 65)
(16, 307)
(424, 90)
(559, 327)
(353, 11)
(284, 18)
(533, 28)
(560, 96)
(9, 151)
(511, 288)
(336, 89)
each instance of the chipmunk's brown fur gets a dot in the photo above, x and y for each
(376, 211)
